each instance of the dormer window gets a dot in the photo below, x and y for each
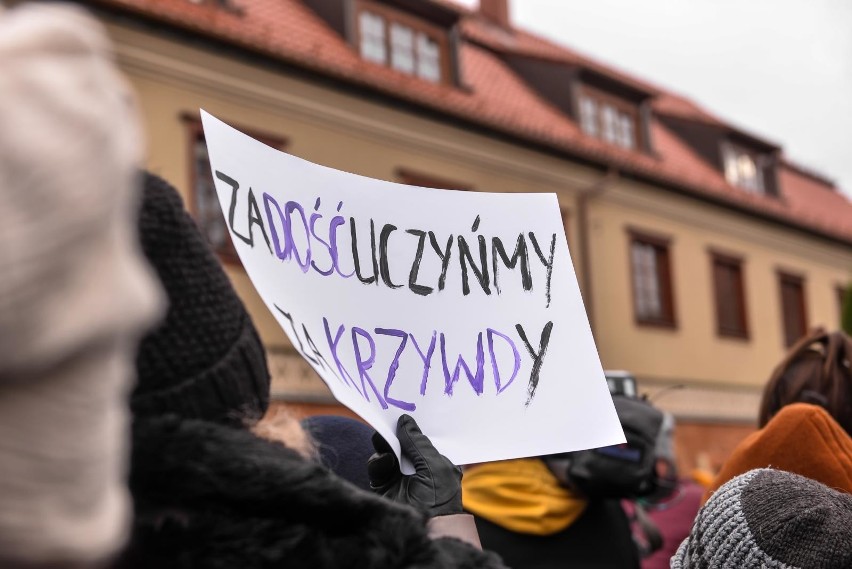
(742, 168)
(608, 118)
(402, 42)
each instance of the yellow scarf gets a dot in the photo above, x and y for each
(520, 495)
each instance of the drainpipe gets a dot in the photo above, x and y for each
(584, 196)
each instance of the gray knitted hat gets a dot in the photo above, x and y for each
(770, 518)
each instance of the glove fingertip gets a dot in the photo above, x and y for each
(380, 444)
(407, 423)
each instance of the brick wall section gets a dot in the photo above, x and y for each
(707, 445)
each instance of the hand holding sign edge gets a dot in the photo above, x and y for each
(435, 486)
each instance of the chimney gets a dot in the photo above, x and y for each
(496, 11)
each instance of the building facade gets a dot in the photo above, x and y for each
(701, 250)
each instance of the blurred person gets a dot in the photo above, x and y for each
(770, 518)
(567, 509)
(534, 520)
(816, 370)
(805, 416)
(674, 519)
(672, 511)
(219, 481)
(75, 293)
(343, 445)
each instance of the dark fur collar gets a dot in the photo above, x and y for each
(210, 496)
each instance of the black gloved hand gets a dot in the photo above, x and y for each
(435, 486)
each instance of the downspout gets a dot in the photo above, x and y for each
(584, 196)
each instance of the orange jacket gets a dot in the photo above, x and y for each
(801, 438)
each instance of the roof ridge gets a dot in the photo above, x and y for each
(829, 183)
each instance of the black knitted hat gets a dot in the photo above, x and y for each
(770, 518)
(205, 361)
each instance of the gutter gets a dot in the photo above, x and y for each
(584, 195)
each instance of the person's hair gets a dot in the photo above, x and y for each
(816, 370)
(280, 425)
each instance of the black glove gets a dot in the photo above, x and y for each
(435, 486)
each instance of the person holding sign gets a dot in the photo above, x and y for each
(218, 481)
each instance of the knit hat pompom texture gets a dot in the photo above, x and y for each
(770, 519)
(205, 361)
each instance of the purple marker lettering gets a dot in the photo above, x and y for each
(289, 208)
(476, 380)
(281, 253)
(490, 332)
(427, 359)
(336, 222)
(394, 366)
(364, 365)
(332, 345)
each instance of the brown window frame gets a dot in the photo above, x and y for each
(195, 131)
(840, 291)
(565, 213)
(665, 278)
(390, 15)
(416, 178)
(621, 105)
(734, 264)
(798, 280)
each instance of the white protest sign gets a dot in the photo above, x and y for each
(459, 308)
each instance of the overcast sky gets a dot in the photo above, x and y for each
(781, 69)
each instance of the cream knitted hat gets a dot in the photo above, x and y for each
(75, 292)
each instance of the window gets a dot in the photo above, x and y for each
(608, 118)
(589, 116)
(742, 169)
(793, 311)
(413, 178)
(653, 301)
(402, 42)
(203, 202)
(730, 296)
(372, 33)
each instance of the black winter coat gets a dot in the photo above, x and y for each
(210, 496)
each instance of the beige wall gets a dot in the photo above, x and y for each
(693, 351)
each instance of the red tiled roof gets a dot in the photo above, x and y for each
(521, 42)
(677, 106)
(496, 98)
(814, 202)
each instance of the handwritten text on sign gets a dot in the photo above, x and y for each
(460, 308)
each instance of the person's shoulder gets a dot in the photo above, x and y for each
(233, 495)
